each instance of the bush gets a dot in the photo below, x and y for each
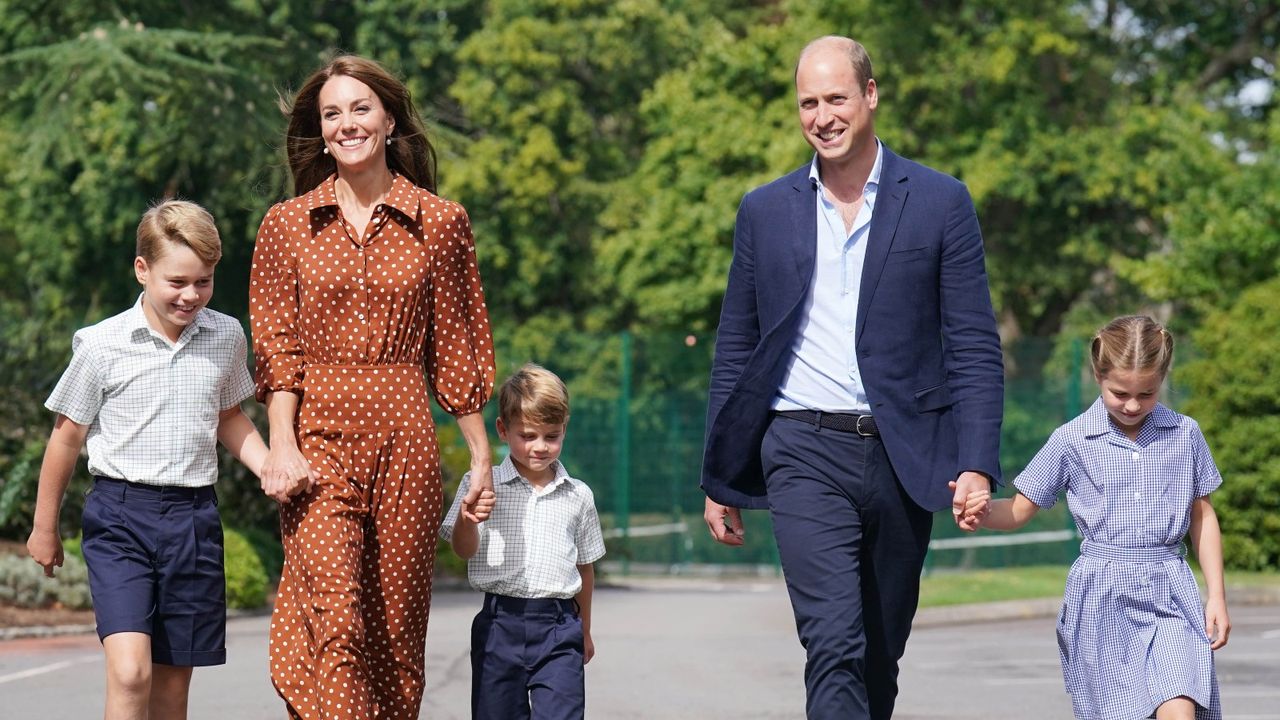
(74, 546)
(246, 576)
(23, 583)
(267, 546)
(1235, 396)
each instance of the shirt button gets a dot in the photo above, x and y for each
(1137, 496)
(1137, 455)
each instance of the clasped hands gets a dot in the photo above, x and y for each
(971, 502)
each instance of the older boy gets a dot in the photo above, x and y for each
(532, 556)
(152, 391)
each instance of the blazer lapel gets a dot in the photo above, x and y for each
(804, 218)
(891, 196)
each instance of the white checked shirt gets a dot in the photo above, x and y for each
(532, 544)
(151, 405)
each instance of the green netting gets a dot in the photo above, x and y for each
(638, 419)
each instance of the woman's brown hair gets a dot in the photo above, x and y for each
(410, 152)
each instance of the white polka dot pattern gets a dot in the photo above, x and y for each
(364, 327)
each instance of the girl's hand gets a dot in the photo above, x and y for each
(976, 506)
(286, 473)
(1216, 622)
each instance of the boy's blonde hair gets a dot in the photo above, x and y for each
(1132, 342)
(534, 395)
(181, 222)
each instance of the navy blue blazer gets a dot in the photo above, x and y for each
(926, 338)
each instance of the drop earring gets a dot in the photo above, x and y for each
(388, 141)
(326, 150)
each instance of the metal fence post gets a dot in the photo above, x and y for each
(622, 485)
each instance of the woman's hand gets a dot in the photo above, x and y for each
(478, 503)
(286, 473)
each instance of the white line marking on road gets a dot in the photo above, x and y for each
(45, 669)
(1271, 635)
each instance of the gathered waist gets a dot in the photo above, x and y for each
(344, 396)
(1157, 553)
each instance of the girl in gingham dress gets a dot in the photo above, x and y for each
(1132, 637)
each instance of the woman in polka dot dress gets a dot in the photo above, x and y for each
(364, 299)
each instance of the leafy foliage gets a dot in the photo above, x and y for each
(1235, 398)
(1119, 153)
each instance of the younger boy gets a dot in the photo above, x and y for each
(152, 391)
(532, 556)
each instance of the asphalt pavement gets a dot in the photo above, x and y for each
(682, 649)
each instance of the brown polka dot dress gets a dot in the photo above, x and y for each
(363, 327)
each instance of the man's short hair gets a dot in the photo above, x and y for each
(533, 395)
(858, 56)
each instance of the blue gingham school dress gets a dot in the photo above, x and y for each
(1131, 631)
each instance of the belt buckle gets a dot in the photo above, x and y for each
(857, 426)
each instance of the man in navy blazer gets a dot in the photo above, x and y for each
(857, 385)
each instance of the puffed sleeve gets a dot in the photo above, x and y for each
(1048, 473)
(273, 308)
(1207, 477)
(459, 351)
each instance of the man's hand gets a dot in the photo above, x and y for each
(724, 522)
(967, 485)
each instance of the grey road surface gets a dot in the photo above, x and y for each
(674, 650)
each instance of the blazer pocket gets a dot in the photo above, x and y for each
(907, 255)
(933, 398)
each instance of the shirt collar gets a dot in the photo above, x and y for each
(1098, 422)
(506, 473)
(402, 196)
(137, 320)
(873, 178)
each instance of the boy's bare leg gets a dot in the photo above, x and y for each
(1179, 708)
(169, 689)
(128, 675)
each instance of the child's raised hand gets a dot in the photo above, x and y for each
(976, 506)
(1216, 623)
(483, 506)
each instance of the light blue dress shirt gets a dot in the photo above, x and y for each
(822, 372)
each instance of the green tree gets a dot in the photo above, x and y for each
(1236, 400)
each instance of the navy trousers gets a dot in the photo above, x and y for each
(527, 652)
(852, 545)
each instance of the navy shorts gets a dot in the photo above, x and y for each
(526, 660)
(155, 566)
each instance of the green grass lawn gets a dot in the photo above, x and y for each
(976, 586)
(1035, 581)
